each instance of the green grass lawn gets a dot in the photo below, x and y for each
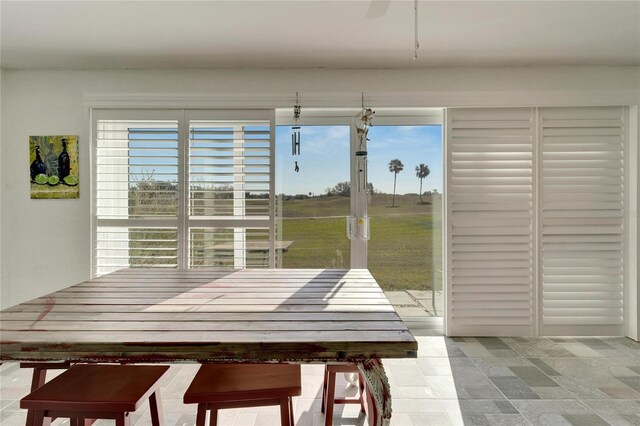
(405, 239)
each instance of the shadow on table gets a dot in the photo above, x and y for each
(324, 287)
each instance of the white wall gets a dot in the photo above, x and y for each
(45, 243)
(1, 191)
(634, 326)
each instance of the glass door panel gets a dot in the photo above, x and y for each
(313, 201)
(405, 214)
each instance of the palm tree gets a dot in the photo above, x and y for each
(422, 171)
(395, 167)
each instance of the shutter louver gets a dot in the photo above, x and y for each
(582, 217)
(229, 193)
(136, 197)
(490, 214)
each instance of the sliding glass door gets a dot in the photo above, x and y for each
(313, 187)
(329, 217)
(405, 215)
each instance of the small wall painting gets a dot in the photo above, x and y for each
(53, 166)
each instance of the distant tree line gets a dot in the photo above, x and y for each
(343, 189)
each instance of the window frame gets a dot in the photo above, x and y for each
(183, 118)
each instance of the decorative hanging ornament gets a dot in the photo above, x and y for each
(295, 140)
(362, 129)
(295, 130)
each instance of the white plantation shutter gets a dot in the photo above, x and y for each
(490, 221)
(180, 188)
(136, 194)
(582, 202)
(230, 201)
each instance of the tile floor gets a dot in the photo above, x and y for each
(454, 381)
(417, 303)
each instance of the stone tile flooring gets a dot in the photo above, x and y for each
(454, 381)
(417, 303)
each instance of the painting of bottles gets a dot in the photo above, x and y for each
(53, 166)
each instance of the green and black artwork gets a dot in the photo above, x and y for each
(53, 166)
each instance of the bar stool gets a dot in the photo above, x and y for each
(97, 392)
(329, 390)
(220, 386)
(40, 377)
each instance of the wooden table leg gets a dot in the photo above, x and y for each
(378, 391)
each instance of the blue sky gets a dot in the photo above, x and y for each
(324, 159)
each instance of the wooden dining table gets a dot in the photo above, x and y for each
(198, 315)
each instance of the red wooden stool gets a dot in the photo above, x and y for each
(219, 386)
(329, 390)
(40, 377)
(97, 392)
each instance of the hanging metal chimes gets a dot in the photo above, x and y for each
(295, 140)
(295, 132)
(362, 128)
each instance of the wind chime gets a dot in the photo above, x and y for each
(295, 133)
(362, 128)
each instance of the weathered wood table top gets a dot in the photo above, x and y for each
(181, 315)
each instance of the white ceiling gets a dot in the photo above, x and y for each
(316, 34)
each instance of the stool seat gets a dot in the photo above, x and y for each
(220, 386)
(232, 382)
(97, 391)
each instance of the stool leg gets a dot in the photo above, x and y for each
(331, 396)
(39, 419)
(37, 380)
(324, 389)
(361, 385)
(31, 421)
(202, 414)
(284, 412)
(291, 416)
(213, 415)
(123, 420)
(156, 409)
